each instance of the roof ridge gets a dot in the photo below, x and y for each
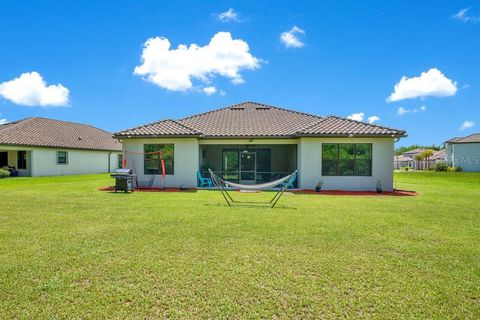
(28, 119)
(187, 127)
(73, 122)
(310, 125)
(142, 126)
(251, 102)
(157, 122)
(14, 124)
(369, 124)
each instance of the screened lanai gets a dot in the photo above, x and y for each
(248, 164)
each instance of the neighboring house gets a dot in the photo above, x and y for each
(464, 152)
(43, 147)
(408, 159)
(402, 161)
(438, 156)
(253, 143)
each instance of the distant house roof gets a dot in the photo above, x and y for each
(438, 155)
(414, 152)
(473, 138)
(43, 132)
(252, 119)
(402, 158)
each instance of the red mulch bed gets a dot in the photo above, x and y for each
(399, 193)
(111, 188)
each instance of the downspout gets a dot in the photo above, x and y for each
(109, 154)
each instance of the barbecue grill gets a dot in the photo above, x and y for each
(123, 179)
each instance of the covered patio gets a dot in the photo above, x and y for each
(248, 164)
(16, 160)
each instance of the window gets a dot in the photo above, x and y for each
(3, 159)
(154, 153)
(62, 157)
(120, 161)
(347, 159)
(21, 159)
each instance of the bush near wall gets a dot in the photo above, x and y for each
(4, 173)
(441, 167)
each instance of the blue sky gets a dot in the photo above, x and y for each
(340, 57)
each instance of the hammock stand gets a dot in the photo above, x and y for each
(221, 186)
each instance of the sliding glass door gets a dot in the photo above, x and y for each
(247, 166)
(230, 163)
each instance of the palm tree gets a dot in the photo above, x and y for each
(418, 158)
(425, 155)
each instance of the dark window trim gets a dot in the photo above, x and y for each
(23, 164)
(160, 168)
(66, 158)
(337, 174)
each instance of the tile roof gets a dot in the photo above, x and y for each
(337, 126)
(167, 127)
(252, 119)
(473, 138)
(414, 151)
(43, 132)
(439, 154)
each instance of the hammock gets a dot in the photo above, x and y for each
(220, 184)
(261, 186)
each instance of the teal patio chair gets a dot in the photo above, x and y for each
(290, 184)
(204, 182)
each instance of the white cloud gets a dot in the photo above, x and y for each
(467, 124)
(290, 38)
(31, 90)
(430, 83)
(229, 15)
(209, 90)
(463, 15)
(373, 119)
(356, 116)
(401, 110)
(174, 69)
(3, 121)
(361, 115)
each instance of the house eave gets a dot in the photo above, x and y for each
(149, 136)
(25, 145)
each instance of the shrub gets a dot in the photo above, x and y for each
(454, 169)
(4, 173)
(441, 167)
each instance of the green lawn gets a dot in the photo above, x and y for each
(68, 250)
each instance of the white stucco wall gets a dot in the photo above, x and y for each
(186, 161)
(310, 165)
(44, 162)
(465, 156)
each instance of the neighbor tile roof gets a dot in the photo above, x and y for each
(439, 154)
(252, 119)
(43, 132)
(473, 138)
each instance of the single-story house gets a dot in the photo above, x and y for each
(464, 152)
(44, 147)
(252, 143)
(407, 159)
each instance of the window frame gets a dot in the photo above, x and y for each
(120, 161)
(158, 147)
(66, 157)
(23, 164)
(338, 160)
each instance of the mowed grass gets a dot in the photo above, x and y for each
(68, 250)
